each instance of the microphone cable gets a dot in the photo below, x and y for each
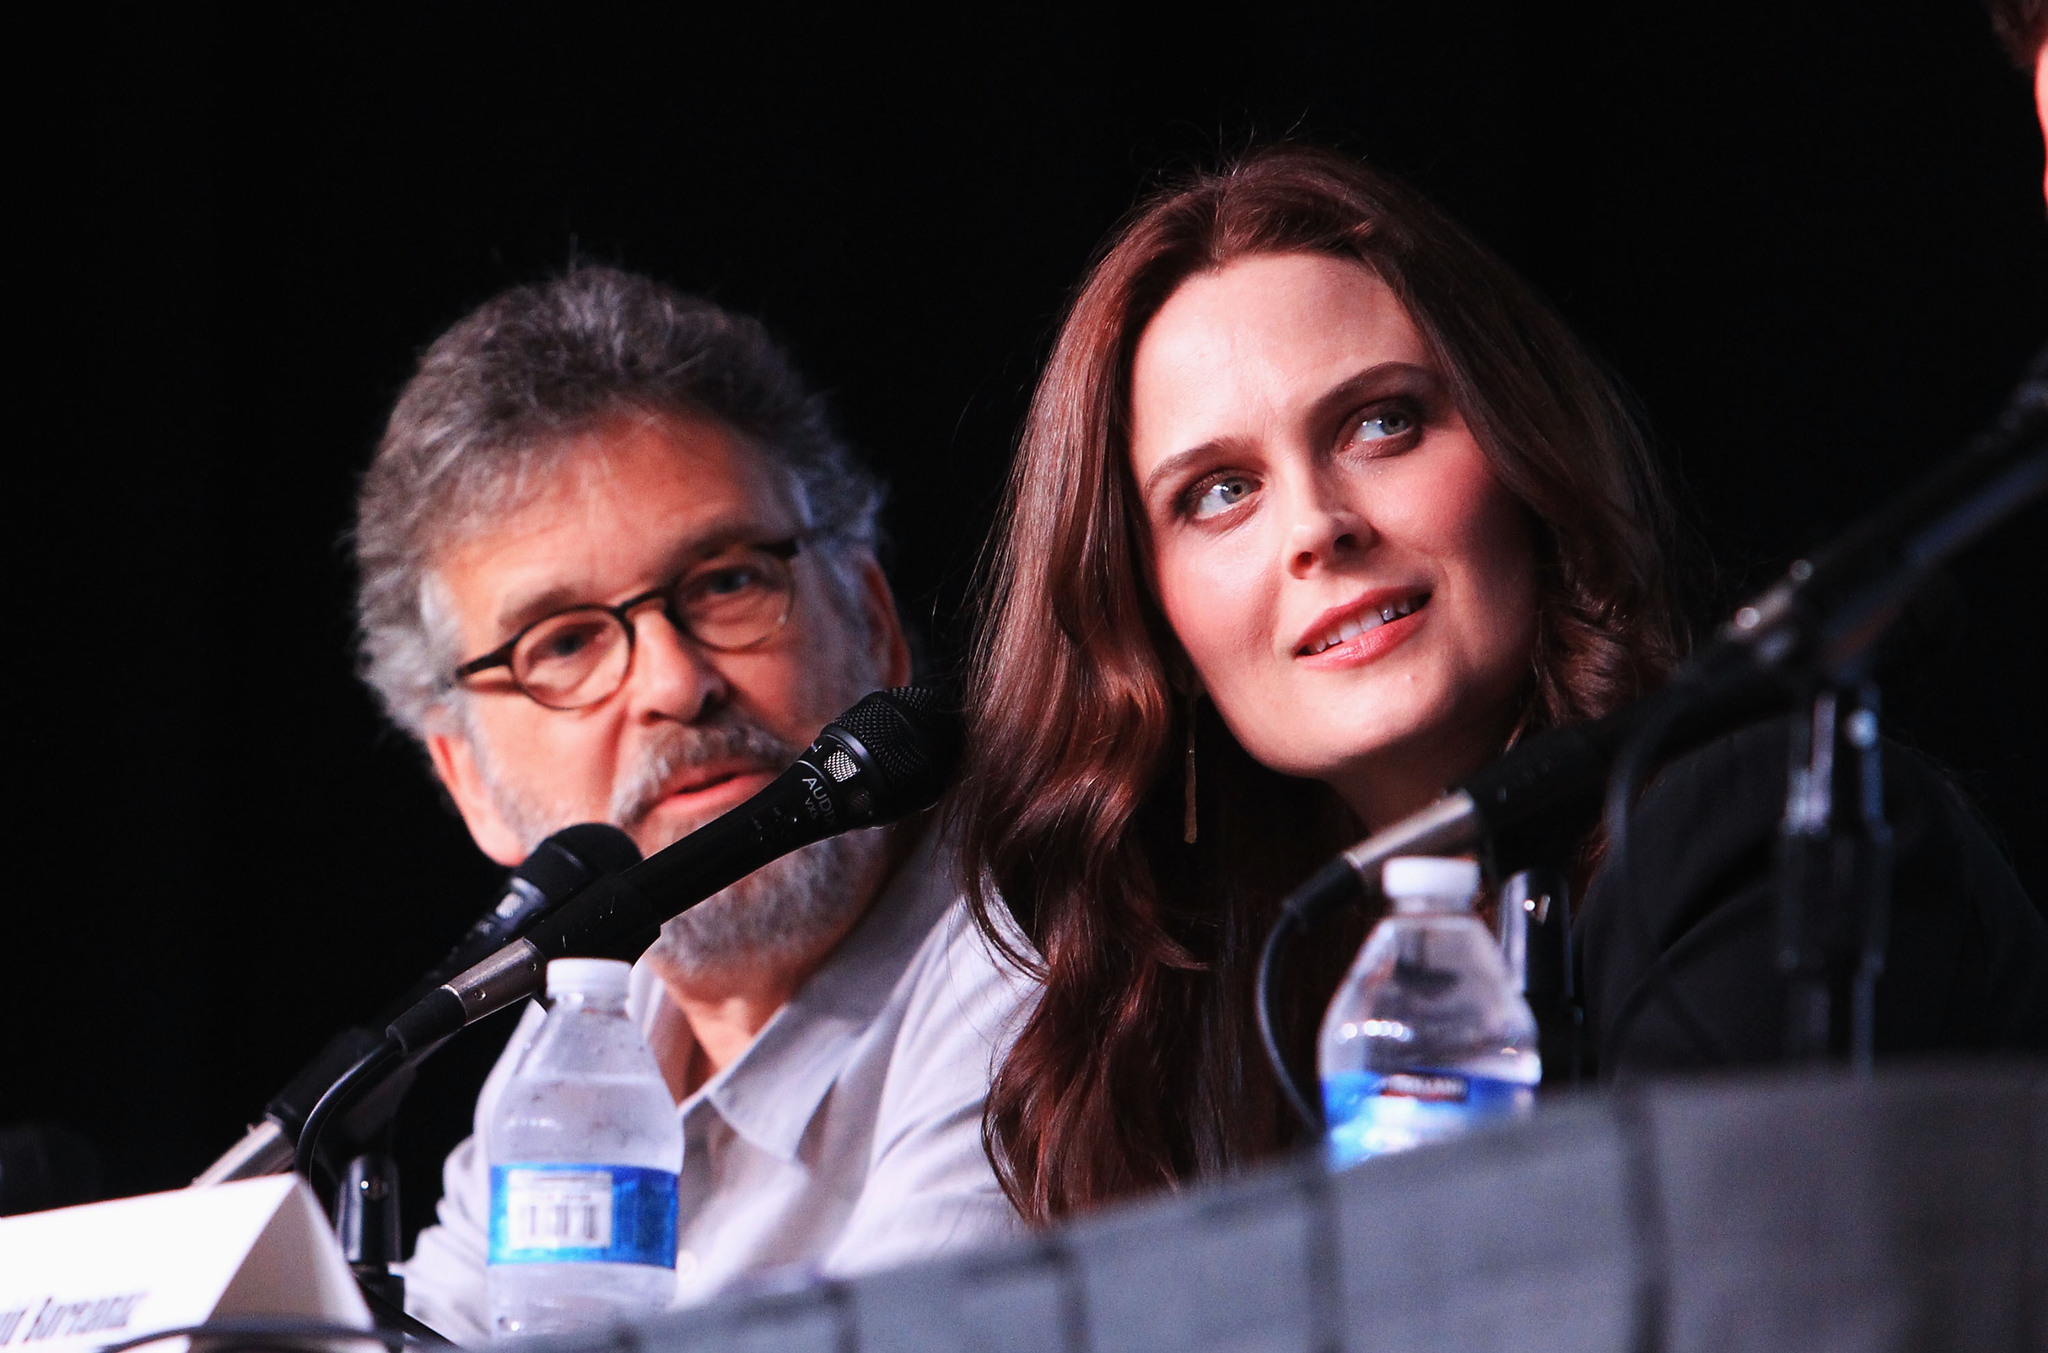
(363, 1073)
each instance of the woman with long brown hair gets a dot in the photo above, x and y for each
(1317, 509)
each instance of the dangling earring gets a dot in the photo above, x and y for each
(1187, 828)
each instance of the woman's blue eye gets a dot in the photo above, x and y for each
(1222, 495)
(1386, 423)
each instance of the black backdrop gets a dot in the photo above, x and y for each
(1813, 243)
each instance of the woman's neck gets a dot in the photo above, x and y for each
(1398, 781)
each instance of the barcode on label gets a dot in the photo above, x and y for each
(557, 1210)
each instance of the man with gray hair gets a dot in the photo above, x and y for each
(615, 566)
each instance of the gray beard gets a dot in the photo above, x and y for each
(786, 914)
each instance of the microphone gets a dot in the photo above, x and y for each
(558, 867)
(890, 755)
(549, 876)
(1545, 791)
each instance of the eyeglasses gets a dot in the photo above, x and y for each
(733, 601)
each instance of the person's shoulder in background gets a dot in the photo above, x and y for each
(1678, 961)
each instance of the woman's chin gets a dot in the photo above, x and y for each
(1382, 772)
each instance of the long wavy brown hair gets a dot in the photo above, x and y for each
(1140, 1067)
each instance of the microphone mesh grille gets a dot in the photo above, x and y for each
(886, 735)
(912, 736)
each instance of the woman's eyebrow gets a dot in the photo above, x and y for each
(1383, 378)
(1174, 464)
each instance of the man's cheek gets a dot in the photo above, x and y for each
(573, 765)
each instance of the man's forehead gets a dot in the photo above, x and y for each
(616, 511)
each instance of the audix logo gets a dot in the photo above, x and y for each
(817, 802)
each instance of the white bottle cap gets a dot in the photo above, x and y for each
(1418, 880)
(600, 977)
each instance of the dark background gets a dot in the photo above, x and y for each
(1813, 243)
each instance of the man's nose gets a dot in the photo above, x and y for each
(1325, 526)
(673, 676)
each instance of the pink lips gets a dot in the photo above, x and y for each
(1362, 630)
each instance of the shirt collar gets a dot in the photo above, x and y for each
(770, 1092)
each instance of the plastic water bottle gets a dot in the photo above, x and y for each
(584, 1147)
(1428, 1036)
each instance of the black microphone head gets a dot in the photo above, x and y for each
(553, 872)
(557, 868)
(890, 755)
(592, 849)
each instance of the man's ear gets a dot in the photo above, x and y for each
(887, 647)
(455, 762)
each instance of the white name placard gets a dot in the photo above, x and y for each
(80, 1277)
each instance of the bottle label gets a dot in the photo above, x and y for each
(1373, 1113)
(567, 1214)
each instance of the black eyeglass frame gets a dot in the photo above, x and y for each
(785, 550)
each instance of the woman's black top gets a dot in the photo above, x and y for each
(1690, 980)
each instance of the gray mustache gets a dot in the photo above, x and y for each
(681, 746)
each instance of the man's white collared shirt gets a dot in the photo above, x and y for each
(847, 1137)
